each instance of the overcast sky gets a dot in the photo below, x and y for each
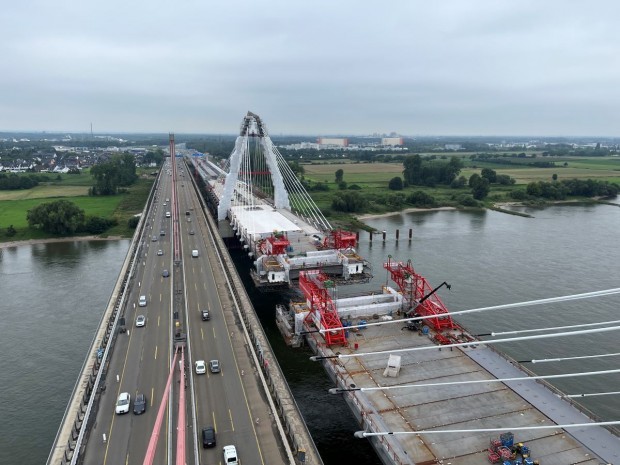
(449, 67)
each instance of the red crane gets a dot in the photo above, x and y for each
(414, 287)
(323, 313)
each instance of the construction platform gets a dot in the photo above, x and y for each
(456, 407)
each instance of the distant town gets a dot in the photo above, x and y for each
(62, 153)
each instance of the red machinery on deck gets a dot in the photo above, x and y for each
(275, 244)
(414, 287)
(314, 284)
(340, 239)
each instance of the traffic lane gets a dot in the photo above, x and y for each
(153, 368)
(143, 347)
(228, 402)
(224, 395)
(129, 345)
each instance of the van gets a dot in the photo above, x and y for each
(195, 253)
(230, 455)
(142, 302)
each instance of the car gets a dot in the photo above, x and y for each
(140, 321)
(160, 252)
(191, 232)
(142, 301)
(122, 403)
(154, 239)
(208, 437)
(167, 200)
(201, 368)
(205, 315)
(214, 366)
(167, 214)
(162, 233)
(165, 273)
(230, 455)
(139, 405)
(189, 219)
(195, 253)
(164, 204)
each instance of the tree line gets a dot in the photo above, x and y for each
(560, 190)
(13, 181)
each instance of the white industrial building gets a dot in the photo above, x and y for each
(392, 141)
(334, 141)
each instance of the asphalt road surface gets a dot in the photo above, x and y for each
(142, 356)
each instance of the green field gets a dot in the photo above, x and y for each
(373, 178)
(14, 205)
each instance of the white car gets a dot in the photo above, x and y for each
(201, 367)
(140, 321)
(122, 404)
(230, 455)
(142, 301)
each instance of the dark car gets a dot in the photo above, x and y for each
(208, 437)
(165, 273)
(139, 405)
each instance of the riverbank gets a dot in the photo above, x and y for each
(406, 210)
(6, 245)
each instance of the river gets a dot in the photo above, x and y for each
(489, 258)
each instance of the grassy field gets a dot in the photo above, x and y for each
(373, 178)
(43, 192)
(15, 204)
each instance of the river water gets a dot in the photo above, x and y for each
(52, 296)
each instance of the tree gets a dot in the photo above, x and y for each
(459, 182)
(109, 176)
(298, 169)
(489, 174)
(479, 186)
(554, 177)
(396, 184)
(59, 217)
(106, 179)
(349, 202)
(413, 169)
(339, 175)
(10, 231)
(473, 180)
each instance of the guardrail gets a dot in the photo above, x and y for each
(71, 439)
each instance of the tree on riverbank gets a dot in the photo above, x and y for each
(60, 217)
(65, 218)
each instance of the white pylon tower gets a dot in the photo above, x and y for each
(245, 168)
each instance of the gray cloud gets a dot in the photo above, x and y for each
(322, 67)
